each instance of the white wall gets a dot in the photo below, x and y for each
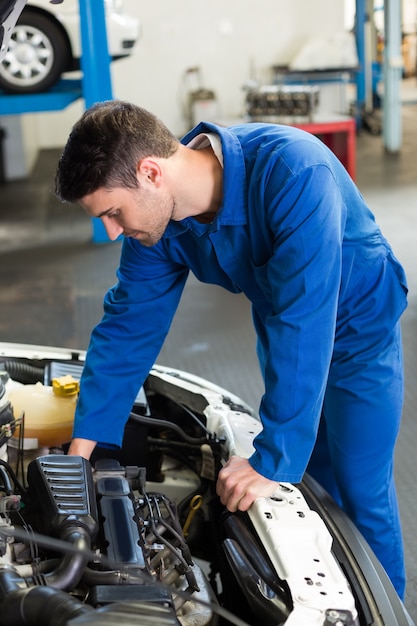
(231, 41)
(409, 16)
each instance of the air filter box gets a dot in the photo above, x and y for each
(61, 488)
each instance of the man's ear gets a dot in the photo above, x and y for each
(149, 171)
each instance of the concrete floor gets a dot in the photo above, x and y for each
(53, 279)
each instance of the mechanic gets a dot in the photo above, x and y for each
(266, 210)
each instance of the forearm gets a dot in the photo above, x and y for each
(81, 447)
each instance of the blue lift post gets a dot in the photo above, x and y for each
(95, 65)
(95, 85)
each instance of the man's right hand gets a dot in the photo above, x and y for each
(239, 485)
(82, 447)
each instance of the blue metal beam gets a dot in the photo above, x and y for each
(57, 98)
(95, 65)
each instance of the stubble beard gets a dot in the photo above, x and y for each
(149, 239)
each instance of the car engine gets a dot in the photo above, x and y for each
(117, 550)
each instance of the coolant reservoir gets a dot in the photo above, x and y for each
(48, 411)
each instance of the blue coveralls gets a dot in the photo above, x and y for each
(295, 235)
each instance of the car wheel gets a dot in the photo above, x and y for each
(37, 55)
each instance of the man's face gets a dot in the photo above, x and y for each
(139, 213)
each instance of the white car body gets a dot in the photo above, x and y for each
(120, 26)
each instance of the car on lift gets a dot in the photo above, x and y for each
(45, 42)
(138, 535)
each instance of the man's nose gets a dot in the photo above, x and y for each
(113, 229)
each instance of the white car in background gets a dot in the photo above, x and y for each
(46, 42)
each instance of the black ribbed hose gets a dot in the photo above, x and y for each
(22, 372)
(40, 606)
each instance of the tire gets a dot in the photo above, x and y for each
(37, 55)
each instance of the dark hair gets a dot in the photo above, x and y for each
(105, 146)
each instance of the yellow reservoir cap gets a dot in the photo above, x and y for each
(65, 386)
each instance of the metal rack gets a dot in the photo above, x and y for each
(94, 85)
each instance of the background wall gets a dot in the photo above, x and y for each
(231, 42)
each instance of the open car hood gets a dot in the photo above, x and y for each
(140, 533)
(10, 11)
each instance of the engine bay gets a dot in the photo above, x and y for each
(139, 536)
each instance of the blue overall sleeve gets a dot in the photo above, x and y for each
(295, 340)
(138, 312)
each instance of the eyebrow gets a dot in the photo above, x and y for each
(106, 212)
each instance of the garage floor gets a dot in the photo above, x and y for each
(53, 278)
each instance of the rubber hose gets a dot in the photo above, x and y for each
(22, 372)
(41, 605)
(70, 570)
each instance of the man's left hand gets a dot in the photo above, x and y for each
(238, 485)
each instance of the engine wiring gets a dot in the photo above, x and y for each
(182, 553)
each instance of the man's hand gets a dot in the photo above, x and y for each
(238, 485)
(82, 447)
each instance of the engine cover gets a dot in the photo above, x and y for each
(120, 528)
